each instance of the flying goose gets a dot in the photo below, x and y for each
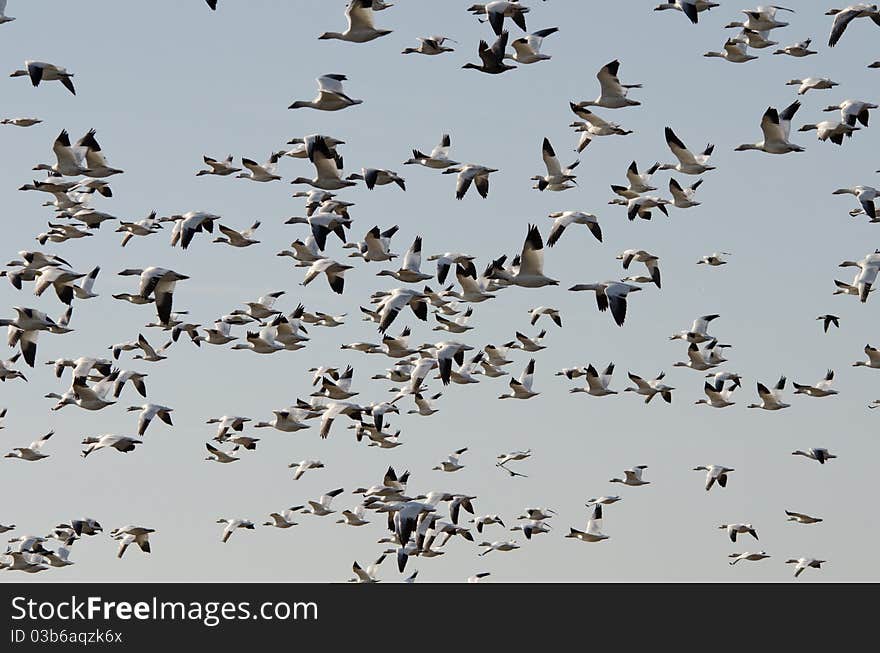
(852, 111)
(593, 530)
(801, 518)
(451, 463)
(866, 195)
(260, 172)
(830, 130)
(321, 507)
(492, 58)
(522, 388)
(40, 71)
(611, 294)
(801, 49)
(562, 219)
(509, 545)
(20, 122)
(755, 39)
(717, 396)
(649, 389)
(373, 177)
(536, 313)
(130, 534)
(699, 331)
(873, 355)
(700, 360)
(220, 168)
(367, 575)
(353, 517)
(682, 198)
(145, 227)
(334, 271)
(688, 163)
(497, 10)
(812, 83)
(32, 452)
(864, 280)
(843, 17)
(761, 19)
(804, 563)
(819, 454)
(738, 529)
(776, 128)
(527, 49)
(243, 238)
(734, 51)
(641, 256)
(556, 178)
(360, 23)
(597, 384)
(828, 320)
(430, 45)
(771, 399)
(748, 555)
(593, 125)
(160, 283)
(331, 96)
(232, 524)
(530, 273)
(715, 473)
(821, 389)
(632, 476)
(470, 172)
(121, 443)
(689, 8)
(410, 270)
(613, 94)
(148, 412)
(438, 159)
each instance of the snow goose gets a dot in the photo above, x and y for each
(430, 45)
(597, 384)
(144, 227)
(130, 534)
(641, 206)
(373, 177)
(649, 389)
(821, 389)
(776, 127)
(605, 501)
(828, 320)
(530, 345)
(219, 335)
(497, 10)
(220, 168)
(220, 456)
(6, 371)
(801, 518)
(283, 519)
(771, 399)
(812, 83)
(360, 23)
(260, 172)
(40, 71)
(752, 556)
(32, 452)
(690, 8)
(801, 49)
(492, 58)
(61, 279)
(612, 93)
(478, 578)
(697, 360)
(611, 294)
(738, 529)
(562, 219)
(232, 524)
(761, 19)
(532, 527)
(409, 271)
(843, 17)
(819, 454)
(527, 49)
(852, 111)
(23, 562)
(438, 159)
(522, 388)
(227, 422)
(734, 52)
(150, 354)
(57, 558)
(682, 198)
(866, 195)
(243, 238)
(632, 476)
(21, 122)
(699, 331)
(641, 256)
(715, 473)
(873, 355)
(376, 245)
(531, 268)
(160, 283)
(69, 160)
(331, 96)
(755, 39)
(830, 130)
(556, 178)
(717, 396)
(96, 164)
(864, 280)
(688, 163)
(148, 412)
(353, 517)
(803, 563)
(593, 126)
(451, 463)
(288, 420)
(470, 172)
(398, 300)
(333, 270)
(536, 313)
(367, 575)
(121, 443)
(509, 545)
(261, 342)
(593, 530)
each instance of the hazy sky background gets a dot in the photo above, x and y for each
(166, 82)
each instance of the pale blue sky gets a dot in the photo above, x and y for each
(166, 82)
